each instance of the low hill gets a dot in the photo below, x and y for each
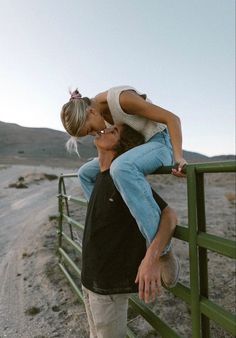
(23, 145)
(39, 145)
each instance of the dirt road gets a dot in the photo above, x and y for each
(24, 289)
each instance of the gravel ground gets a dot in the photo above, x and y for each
(36, 301)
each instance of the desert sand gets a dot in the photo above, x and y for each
(36, 300)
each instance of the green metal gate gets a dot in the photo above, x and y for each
(202, 308)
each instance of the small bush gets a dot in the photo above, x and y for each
(51, 177)
(32, 311)
(231, 197)
(26, 254)
(53, 217)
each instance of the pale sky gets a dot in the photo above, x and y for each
(180, 52)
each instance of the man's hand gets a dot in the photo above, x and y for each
(149, 279)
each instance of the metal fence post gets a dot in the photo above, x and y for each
(193, 252)
(203, 266)
(60, 210)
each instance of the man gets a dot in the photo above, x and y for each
(115, 260)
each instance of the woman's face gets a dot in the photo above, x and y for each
(93, 124)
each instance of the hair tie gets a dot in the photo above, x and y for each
(75, 95)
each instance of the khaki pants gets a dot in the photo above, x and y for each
(107, 314)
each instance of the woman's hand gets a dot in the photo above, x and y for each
(180, 165)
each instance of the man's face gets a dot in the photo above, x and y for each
(108, 138)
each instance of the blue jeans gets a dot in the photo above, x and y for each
(128, 173)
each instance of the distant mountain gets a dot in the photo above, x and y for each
(40, 146)
(43, 146)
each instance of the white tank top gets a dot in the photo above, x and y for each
(145, 126)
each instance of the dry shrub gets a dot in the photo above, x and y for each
(231, 197)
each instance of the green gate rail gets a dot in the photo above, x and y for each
(202, 309)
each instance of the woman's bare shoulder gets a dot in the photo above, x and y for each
(101, 97)
(130, 101)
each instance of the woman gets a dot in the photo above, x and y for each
(83, 116)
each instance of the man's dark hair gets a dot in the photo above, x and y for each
(129, 138)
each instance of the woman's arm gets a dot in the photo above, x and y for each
(133, 104)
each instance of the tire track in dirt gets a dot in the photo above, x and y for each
(25, 210)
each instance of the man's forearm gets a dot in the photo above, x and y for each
(165, 232)
(149, 272)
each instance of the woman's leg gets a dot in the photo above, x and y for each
(87, 175)
(128, 172)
